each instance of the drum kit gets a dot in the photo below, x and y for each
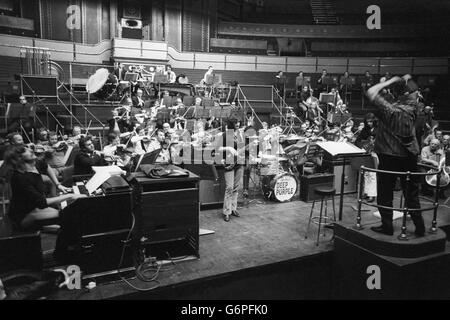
(277, 181)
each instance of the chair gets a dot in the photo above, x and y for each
(322, 219)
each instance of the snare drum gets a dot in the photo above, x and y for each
(281, 187)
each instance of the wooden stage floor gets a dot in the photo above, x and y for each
(267, 243)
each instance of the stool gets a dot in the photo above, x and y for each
(322, 220)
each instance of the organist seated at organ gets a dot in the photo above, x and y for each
(29, 206)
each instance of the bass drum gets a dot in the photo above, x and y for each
(281, 187)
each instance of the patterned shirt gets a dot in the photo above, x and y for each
(396, 134)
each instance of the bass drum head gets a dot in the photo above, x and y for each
(284, 187)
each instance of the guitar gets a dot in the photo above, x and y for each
(231, 159)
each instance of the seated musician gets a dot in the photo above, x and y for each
(305, 94)
(337, 98)
(171, 76)
(160, 142)
(114, 153)
(446, 143)
(432, 155)
(87, 157)
(344, 86)
(57, 151)
(117, 123)
(140, 141)
(29, 206)
(369, 129)
(42, 138)
(75, 136)
(207, 75)
(119, 71)
(314, 113)
(138, 101)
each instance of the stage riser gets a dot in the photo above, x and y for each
(304, 278)
(424, 278)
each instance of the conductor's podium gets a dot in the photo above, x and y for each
(368, 265)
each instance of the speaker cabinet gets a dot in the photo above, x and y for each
(309, 183)
(39, 86)
(131, 33)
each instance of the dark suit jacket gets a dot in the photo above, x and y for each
(83, 163)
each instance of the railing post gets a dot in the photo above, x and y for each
(433, 228)
(361, 184)
(403, 235)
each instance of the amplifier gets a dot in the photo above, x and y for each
(310, 182)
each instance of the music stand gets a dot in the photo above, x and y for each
(345, 151)
(329, 81)
(131, 77)
(350, 81)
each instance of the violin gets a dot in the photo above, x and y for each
(60, 146)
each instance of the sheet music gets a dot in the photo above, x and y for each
(96, 181)
(340, 148)
(112, 170)
(67, 154)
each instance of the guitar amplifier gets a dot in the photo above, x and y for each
(310, 182)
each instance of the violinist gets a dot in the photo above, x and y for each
(140, 141)
(160, 143)
(75, 136)
(116, 153)
(57, 150)
(42, 138)
(87, 157)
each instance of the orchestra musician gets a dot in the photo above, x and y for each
(29, 206)
(171, 76)
(140, 141)
(138, 101)
(119, 71)
(114, 152)
(23, 116)
(321, 86)
(75, 136)
(161, 142)
(367, 81)
(207, 75)
(87, 157)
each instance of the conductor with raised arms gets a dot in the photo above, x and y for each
(397, 148)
